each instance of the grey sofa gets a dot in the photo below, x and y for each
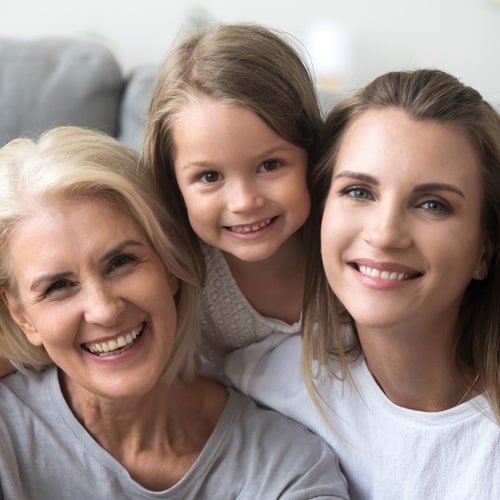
(63, 81)
(57, 81)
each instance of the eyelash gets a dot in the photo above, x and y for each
(274, 164)
(121, 260)
(440, 205)
(203, 176)
(352, 189)
(56, 286)
(116, 263)
(265, 166)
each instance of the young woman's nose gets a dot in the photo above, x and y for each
(388, 228)
(102, 306)
(244, 196)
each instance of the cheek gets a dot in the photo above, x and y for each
(330, 233)
(197, 205)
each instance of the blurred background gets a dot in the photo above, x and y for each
(349, 42)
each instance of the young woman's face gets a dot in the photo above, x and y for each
(244, 186)
(96, 294)
(401, 233)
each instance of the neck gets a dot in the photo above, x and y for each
(417, 368)
(287, 257)
(173, 418)
(274, 286)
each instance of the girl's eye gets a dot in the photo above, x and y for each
(435, 206)
(358, 193)
(120, 261)
(209, 177)
(269, 166)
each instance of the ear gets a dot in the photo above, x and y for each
(174, 283)
(24, 323)
(482, 267)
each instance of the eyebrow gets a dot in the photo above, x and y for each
(429, 186)
(271, 152)
(48, 278)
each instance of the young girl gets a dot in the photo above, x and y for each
(232, 124)
(404, 358)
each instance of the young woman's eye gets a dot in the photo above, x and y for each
(209, 177)
(435, 206)
(358, 193)
(120, 261)
(269, 165)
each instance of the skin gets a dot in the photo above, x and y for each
(401, 241)
(102, 280)
(246, 193)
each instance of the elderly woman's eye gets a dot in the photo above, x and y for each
(121, 260)
(57, 286)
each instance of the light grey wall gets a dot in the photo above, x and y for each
(459, 36)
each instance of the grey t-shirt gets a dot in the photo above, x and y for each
(253, 453)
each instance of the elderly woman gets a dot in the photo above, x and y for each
(99, 318)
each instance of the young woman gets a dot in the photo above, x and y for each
(232, 125)
(401, 349)
(99, 312)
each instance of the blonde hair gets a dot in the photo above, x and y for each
(245, 64)
(424, 94)
(69, 162)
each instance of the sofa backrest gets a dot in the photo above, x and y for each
(57, 81)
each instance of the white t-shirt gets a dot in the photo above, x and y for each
(386, 451)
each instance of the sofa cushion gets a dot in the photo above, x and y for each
(135, 105)
(57, 81)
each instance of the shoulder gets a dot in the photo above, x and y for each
(25, 398)
(17, 385)
(263, 425)
(286, 448)
(266, 366)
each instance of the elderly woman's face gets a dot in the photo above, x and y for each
(95, 293)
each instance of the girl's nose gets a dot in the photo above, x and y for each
(102, 306)
(244, 197)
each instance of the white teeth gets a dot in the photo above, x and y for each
(249, 229)
(114, 344)
(385, 275)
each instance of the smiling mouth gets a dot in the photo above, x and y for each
(117, 345)
(386, 275)
(251, 228)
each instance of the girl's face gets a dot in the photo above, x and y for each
(244, 186)
(401, 233)
(96, 295)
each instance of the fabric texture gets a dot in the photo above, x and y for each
(135, 105)
(57, 81)
(386, 451)
(228, 320)
(253, 453)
